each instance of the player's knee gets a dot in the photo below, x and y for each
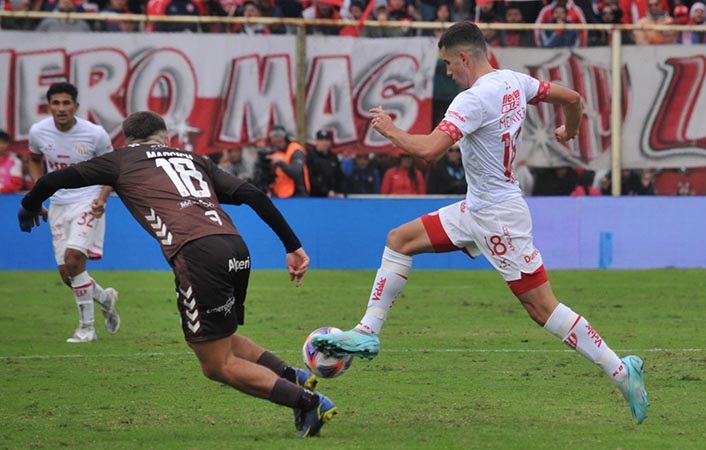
(74, 262)
(396, 240)
(213, 372)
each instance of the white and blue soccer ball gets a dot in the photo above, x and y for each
(321, 365)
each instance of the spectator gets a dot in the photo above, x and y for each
(404, 179)
(655, 16)
(555, 181)
(442, 14)
(285, 9)
(355, 11)
(697, 14)
(327, 179)
(364, 178)
(584, 185)
(288, 159)
(685, 188)
(17, 23)
(574, 15)
(116, 7)
(485, 13)
(447, 176)
(610, 14)
(175, 8)
(55, 25)
(251, 10)
(516, 38)
(384, 162)
(235, 162)
(646, 185)
(323, 9)
(397, 12)
(10, 167)
(559, 38)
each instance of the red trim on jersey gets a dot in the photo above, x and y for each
(450, 129)
(542, 93)
(528, 281)
(438, 237)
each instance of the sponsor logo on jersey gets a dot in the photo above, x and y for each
(511, 101)
(235, 264)
(530, 258)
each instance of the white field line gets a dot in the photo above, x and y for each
(415, 350)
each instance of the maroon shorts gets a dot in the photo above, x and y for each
(211, 276)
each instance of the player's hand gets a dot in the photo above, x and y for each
(29, 219)
(562, 136)
(297, 265)
(382, 122)
(98, 208)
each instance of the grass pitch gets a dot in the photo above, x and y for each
(461, 366)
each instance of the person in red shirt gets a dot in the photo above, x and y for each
(10, 167)
(404, 179)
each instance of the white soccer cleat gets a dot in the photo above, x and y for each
(83, 335)
(110, 312)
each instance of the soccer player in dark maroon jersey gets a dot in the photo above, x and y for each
(176, 196)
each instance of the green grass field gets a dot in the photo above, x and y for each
(461, 367)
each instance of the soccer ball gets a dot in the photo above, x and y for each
(320, 364)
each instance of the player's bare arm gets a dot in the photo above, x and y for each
(429, 147)
(572, 104)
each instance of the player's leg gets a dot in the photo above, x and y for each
(84, 235)
(426, 234)
(506, 234)
(82, 287)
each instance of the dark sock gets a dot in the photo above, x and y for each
(289, 394)
(274, 363)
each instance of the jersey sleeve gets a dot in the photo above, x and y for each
(34, 146)
(104, 144)
(100, 170)
(535, 91)
(465, 114)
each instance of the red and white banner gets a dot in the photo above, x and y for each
(221, 91)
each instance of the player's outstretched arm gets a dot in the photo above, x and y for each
(429, 147)
(572, 105)
(32, 208)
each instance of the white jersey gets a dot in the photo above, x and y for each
(62, 149)
(487, 118)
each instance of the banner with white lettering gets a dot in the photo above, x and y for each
(663, 106)
(222, 91)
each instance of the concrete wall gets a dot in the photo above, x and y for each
(571, 233)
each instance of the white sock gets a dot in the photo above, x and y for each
(578, 334)
(82, 285)
(99, 293)
(391, 278)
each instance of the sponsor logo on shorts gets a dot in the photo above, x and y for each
(235, 264)
(508, 239)
(530, 258)
(225, 308)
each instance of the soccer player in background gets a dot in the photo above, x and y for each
(176, 196)
(486, 118)
(76, 216)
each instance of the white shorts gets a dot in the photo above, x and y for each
(502, 232)
(74, 226)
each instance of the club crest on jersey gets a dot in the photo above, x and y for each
(82, 149)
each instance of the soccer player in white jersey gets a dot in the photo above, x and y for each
(76, 216)
(486, 119)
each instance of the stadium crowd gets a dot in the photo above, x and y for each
(350, 173)
(680, 12)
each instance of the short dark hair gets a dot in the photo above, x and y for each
(62, 88)
(142, 125)
(464, 34)
(4, 136)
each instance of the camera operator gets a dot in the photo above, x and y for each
(288, 164)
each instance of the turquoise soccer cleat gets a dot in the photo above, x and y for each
(347, 343)
(633, 388)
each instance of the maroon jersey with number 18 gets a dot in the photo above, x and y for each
(172, 193)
